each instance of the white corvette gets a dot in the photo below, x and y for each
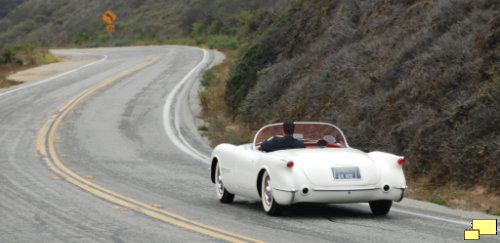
(326, 171)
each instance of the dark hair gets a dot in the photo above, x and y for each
(288, 127)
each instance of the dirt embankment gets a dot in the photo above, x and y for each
(66, 63)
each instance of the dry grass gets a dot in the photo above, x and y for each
(477, 198)
(6, 70)
(7, 83)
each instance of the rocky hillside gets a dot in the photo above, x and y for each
(419, 78)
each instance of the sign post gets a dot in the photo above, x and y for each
(109, 17)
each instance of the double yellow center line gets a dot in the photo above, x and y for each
(46, 147)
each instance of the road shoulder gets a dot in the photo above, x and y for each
(66, 63)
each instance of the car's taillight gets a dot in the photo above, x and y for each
(401, 161)
(289, 164)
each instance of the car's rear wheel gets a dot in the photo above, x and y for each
(271, 207)
(380, 207)
(222, 194)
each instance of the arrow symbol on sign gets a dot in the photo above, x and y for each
(110, 18)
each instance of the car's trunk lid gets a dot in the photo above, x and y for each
(328, 167)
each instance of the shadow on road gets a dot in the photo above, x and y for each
(313, 210)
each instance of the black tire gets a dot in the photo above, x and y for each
(271, 207)
(222, 194)
(380, 207)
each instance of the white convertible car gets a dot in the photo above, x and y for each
(326, 171)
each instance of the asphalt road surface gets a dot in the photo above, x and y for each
(109, 152)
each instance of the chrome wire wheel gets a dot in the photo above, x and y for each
(268, 194)
(222, 194)
(218, 181)
(271, 207)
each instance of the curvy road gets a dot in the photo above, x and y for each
(110, 152)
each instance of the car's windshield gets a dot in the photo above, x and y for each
(305, 132)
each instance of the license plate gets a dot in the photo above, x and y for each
(346, 173)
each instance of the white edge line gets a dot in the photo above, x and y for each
(439, 218)
(177, 113)
(433, 217)
(182, 144)
(36, 83)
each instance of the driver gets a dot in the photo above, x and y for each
(285, 142)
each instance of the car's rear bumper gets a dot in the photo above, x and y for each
(286, 196)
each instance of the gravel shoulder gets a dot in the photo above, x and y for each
(66, 63)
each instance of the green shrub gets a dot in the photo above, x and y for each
(495, 212)
(103, 37)
(198, 29)
(123, 42)
(437, 200)
(8, 55)
(226, 43)
(81, 38)
(222, 42)
(92, 44)
(203, 128)
(209, 79)
(244, 76)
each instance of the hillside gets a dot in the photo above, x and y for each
(29, 27)
(7, 6)
(417, 78)
(65, 23)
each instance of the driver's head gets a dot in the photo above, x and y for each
(288, 127)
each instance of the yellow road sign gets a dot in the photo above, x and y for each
(110, 28)
(109, 17)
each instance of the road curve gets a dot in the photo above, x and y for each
(110, 152)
